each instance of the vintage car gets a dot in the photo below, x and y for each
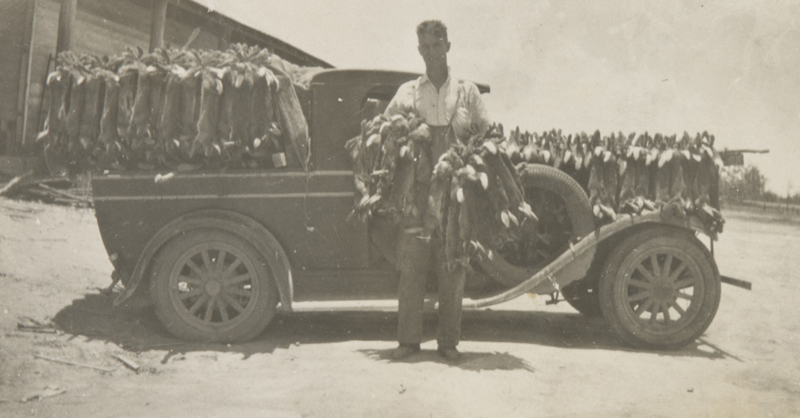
(219, 252)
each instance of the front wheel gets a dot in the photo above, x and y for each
(212, 285)
(660, 289)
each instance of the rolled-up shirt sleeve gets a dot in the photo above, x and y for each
(403, 100)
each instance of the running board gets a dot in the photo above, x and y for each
(366, 305)
(346, 306)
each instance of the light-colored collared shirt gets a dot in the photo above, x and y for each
(438, 107)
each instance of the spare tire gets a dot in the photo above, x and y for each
(565, 215)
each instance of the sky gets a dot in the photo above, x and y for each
(729, 67)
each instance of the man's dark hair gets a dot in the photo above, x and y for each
(433, 27)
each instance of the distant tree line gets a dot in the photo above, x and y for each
(740, 183)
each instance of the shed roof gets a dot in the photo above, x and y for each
(223, 22)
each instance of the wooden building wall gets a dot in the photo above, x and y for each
(12, 51)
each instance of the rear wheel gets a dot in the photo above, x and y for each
(212, 285)
(660, 289)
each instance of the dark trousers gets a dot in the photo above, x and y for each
(417, 257)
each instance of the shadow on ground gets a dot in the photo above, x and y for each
(137, 329)
(469, 360)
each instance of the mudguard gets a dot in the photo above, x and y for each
(575, 261)
(241, 225)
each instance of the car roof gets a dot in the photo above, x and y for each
(363, 76)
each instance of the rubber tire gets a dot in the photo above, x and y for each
(583, 295)
(614, 308)
(251, 324)
(552, 179)
(578, 209)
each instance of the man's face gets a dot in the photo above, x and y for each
(433, 49)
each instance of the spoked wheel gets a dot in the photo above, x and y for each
(211, 285)
(660, 289)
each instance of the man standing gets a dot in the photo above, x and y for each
(447, 105)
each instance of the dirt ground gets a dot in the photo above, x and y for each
(522, 359)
